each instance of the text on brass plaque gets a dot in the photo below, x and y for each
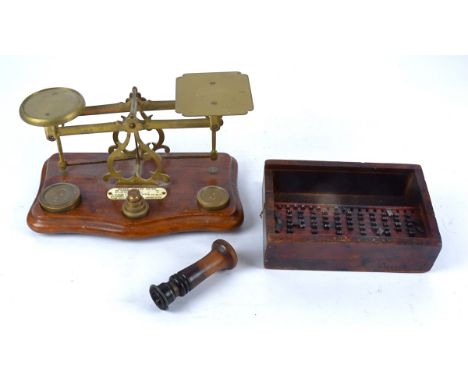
(120, 193)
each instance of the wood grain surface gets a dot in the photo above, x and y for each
(178, 212)
(348, 216)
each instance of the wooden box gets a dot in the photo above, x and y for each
(348, 216)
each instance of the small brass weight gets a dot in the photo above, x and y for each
(203, 99)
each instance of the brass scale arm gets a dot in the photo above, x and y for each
(124, 107)
(131, 123)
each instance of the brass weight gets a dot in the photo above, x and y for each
(213, 198)
(60, 197)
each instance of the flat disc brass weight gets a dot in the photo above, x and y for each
(213, 198)
(60, 197)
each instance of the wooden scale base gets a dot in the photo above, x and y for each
(179, 211)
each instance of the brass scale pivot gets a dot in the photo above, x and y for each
(202, 97)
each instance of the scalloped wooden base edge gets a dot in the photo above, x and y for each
(178, 212)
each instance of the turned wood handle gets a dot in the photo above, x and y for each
(221, 257)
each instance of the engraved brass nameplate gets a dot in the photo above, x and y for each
(120, 193)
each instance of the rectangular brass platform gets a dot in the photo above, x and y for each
(203, 94)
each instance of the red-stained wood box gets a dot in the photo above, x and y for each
(348, 216)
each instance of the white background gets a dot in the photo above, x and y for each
(348, 81)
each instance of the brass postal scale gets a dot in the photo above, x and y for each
(139, 189)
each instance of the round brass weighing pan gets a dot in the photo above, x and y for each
(52, 107)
